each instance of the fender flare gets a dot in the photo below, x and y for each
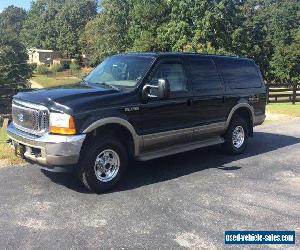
(238, 106)
(118, 121)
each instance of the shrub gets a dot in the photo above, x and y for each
(33, 66)
(66, 65)
(42, 69)
(57, 67)
(75, 66)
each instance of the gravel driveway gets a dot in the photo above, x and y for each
(183, 201)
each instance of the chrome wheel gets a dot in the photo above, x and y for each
(238, 136)
(107, 165)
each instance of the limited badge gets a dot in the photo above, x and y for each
(132, 109)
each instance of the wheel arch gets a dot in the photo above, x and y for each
(244, 110)
(121, 127)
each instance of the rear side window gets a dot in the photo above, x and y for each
(239, 74)
(204, 74)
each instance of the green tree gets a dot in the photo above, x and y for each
(199, 26)
(39, 30)
(12, 19)
(260, 29)
(249, 36)
(214, 23)
(283, 22)
(70, 23)
(264, 29)
(282, 19)
(57, 24)
(178, 32)
(107, 33)
(146, 17)
(285, 64)
(14, 70)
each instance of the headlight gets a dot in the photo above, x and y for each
(62, 124)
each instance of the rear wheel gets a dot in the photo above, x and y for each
(236, 136)
(103, 164)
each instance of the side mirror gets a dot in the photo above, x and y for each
(162, 90)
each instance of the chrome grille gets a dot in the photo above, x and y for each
(30, 117)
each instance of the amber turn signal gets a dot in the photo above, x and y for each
(62, 124)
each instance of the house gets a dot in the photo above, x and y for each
(42, 56)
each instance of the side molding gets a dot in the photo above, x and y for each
(236, 107)
(137, 140)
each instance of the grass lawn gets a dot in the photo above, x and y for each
(47, 82)
(61, 78)
(287, 109)
(6, 152)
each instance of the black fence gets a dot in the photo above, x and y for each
(66, 74)
(283, 93)
(5, 100)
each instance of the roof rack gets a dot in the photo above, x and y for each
(175, 53)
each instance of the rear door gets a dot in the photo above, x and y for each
(208, 97)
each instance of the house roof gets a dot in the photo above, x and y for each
(41, 50)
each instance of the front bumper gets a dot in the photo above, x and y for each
(48, 150)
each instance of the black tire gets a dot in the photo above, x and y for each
(229, 146)
(86, 167)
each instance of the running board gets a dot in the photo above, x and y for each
(179, 149)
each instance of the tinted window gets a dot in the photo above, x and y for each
(174, 73)
(204, 74)
(239, 74)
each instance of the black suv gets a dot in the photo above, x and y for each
(139, 106)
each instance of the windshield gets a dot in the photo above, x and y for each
(120, 71)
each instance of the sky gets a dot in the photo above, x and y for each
(20, 3)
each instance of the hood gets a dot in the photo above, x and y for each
(64, 94)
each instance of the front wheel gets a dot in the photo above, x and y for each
(236, 136)
(103, 164)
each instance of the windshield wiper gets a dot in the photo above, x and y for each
(108, 85)
(84, 82)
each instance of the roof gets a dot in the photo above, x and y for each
(159, 54)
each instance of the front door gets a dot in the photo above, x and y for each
(168, 122)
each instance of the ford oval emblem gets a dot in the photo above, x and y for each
(21, 117)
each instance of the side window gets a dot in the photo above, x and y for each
(174, 73)
(239, 74)
(204, 74)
